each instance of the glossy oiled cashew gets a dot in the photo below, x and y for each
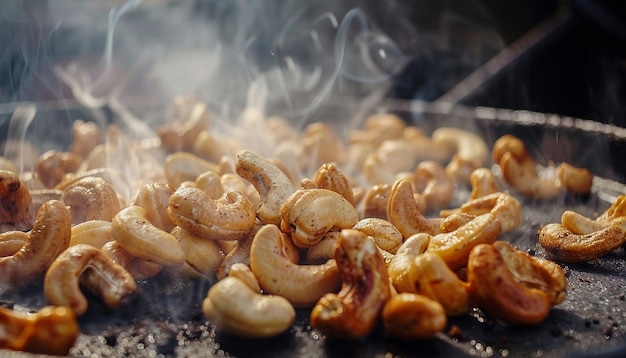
(135, 234)
(354, 311)
(404, 213)
(245, 274)
(412, 316)
(48, 238)
(324, 249)
(16, 204)
(52, 166)
(615, 215)
(93, 232)
(236, 308)
(385, 235)
(308, 214)
(11, 242)
(230, 217)
(51, 330)
(186, 117)
(328, 176)
(400, 267)
(139, 269)
(91, 198)
(534, 272)
(375, 201)
(483, 183)
(454, 247)
(563, 245)
(576, 180)
(90, 267)
(273, 185)
(209, 182)
(471, 151)
(495, 290)
(183, 166)
(239, 254)
(202, 254)
(434, 184)
(86, 136)
(504, 206)
(302, 285)
(154, 199)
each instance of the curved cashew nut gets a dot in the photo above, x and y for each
(202, 254)
(412, 316)
(11, 242)
(91, 198)
(138, 268)
(483, 183)
(51, 330)
(504, 206)
(328, 176)
(534, 272)
(324, 249)
(454, 247)
(563, 245)
(184, 166)
(135, 234)
(245, 274)
(302, 285)
(49, 237)
(228, 218)
(576, 180)
(273, 185)
(308, 214)
(52, 166)
(615, 215)
(86, 265)
(385, 235)
(154, 199)
(16, 204)
(471, 151)
(237, 309)
(93, 232)
(494, 288)
(354, 311)
(403, 211)
(186, 118)
(375, 201)
(86, 136)
(434, 184)
(378, 128)
(400, 267)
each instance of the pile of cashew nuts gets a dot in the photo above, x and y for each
(361, 230)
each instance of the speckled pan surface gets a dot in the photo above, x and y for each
(164, 317)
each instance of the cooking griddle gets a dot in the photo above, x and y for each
(164, 316)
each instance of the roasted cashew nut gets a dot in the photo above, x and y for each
(563, 245)
(11, 242)
(504, 206)
(202, 254)
(328, 176)
(273, 185)
(16, 204)
(434, 184)
(51, 330)
(135, 234)
(93, 232)
(278, 274)
(154, 199)
(184, 166)
(400, 267)
(615, 215)
(139, 269)
(86, 136)
(496, 291)
(229, 218)
(48, 238)
(378, 128)
(413, 316)
(354, 311)
(186, 117)
(91, 198)
(385, 235)
(324, 249)
(576, 180)
(403, 211)
(454, 247)
(471, 151)
(236, 308)
(375, 201)
(308, 214)
(52, 166)
(88, 266)
(483, 183)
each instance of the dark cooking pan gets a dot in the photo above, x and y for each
(164, 316)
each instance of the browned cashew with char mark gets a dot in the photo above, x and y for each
(354, 311)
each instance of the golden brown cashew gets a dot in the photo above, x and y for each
(563, 245)
(504, 206)
(48, 238)
(534, 272)
(471, 151)
(186, 118)
(434, 184)
(236, 308)
(320, 144)
(354, 311)
(11, 242)
(324, 249)
(85, 265)
(16, 211)
(154, 199)
(51, 330)
(454, 247)
(94, 232)
(378, 128)
(385, 235)
(494, 288)
(135, 234)
(400, 268)
(86, 136)
(184, 166)
(302, 285)
(328, 176)
(375, 201)
(615, 215)
(576, 180)
(404, 213)
(138, 268)
(245, 274)
(91, 198)
(273, 185)
(230, 217)
(308, 214)
(202, 254)
(483, 183)
(52, 166)
(412, 316)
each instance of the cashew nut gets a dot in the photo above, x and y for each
(245, 274)
(302, 285)
(237, 309)
(11, 242)
(324, 249)
(86, 136)
(412, 316)
(91, 198)
(615, 215)
(51, 330)
(135, 234)
(483, 183)
(404, 213)
(328, 176)
(52, 166)
(154, 199)
(273, 185)
(230, 217)
(202, 254)
(139, 269)
(504, 206)
(471, 151)
(434, 184)
(319, 145)
(497, 292)
(88, 266)
(375, 201)
(354, 311)
(48, 238)
(186, 117)
(93, 232)
(308, 214)
(400, 268)
(563, 245)
(454, 247)
(378, 128)
(184, 166)
(385, 235)
(16, 211)
(576, 180)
